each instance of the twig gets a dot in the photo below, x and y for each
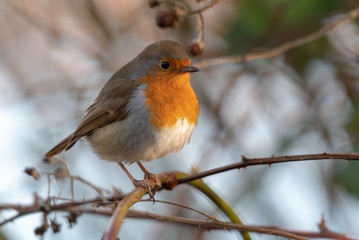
(225, 207)
(36, 207)
(121, 212)
(212, 225)
(98, 19)
(169, 180)
(284, 47)
(220, 225)
(205, 7)
(201, 29)
(206, 225)
(61, 173)
(179, 205)
(270, 160)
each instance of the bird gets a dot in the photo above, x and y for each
(146, 110)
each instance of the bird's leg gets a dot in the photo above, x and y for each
(133, 180)
(151, 189)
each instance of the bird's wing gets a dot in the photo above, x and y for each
(105, 110)
(99, 115)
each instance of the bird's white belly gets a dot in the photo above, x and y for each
(116, 142)
(173, 139)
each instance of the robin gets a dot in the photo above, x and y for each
(145, 111)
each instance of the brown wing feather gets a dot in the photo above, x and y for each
(105, 110)
(100, 115)
(58, 148)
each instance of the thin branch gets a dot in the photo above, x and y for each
(201, 29)
(284, 47)
(224, 206)
(120, 213)
(213, 225)
(224, 225)
(205, 7)
(39, 207)
(269, 161)
(220, 225)
(169, 180)
(99, 19)
(180, 205)
(99, 190)
(207, 225)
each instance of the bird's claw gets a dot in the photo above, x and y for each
(151, 183)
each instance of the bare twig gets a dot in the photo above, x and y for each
(223, 225)
(284, 47)
(201, 29)
(212, 225)
(180, 205)
(121, 212)
(169, 180)
(219, 225)
(224, 206)
(83, 207)
(270, 160)
(205, 7)
(38, 207)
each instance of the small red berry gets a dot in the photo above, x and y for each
(167, 18)
(196, 48)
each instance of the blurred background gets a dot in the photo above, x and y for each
(55, 56)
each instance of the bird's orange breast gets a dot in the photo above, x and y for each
(170, 98)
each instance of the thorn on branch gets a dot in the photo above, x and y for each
(117, 193)
(194, 169)
(32, 172)
(322, 226)
(245, 159)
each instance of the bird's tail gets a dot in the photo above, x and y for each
(64, 145)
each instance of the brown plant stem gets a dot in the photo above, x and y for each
(269, 161)
(276, 51)
(205, 7)
(120, 213)
(217, 200)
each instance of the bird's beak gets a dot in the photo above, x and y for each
(189, 68)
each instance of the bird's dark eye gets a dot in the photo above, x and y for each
(165, 65)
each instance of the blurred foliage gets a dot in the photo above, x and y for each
(352, 126)
(261, 25)
(347, 175)
(348, 178)
(268, 23)
(298, 58)
(2, 236)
